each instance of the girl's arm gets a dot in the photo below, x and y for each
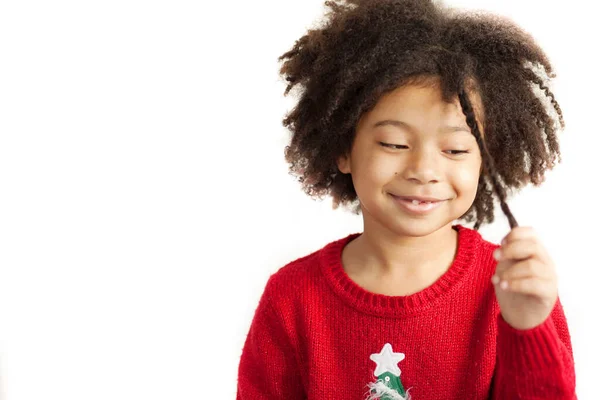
(535, 363)
(268, 368)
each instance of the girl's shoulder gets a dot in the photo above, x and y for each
(475, 236)
(304, 274)
(477, 252)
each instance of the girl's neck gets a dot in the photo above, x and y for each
(379, 255)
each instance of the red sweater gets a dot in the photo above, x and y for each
(317, 335)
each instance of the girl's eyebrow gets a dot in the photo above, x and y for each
(402, 124)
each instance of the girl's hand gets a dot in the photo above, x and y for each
(525, 281)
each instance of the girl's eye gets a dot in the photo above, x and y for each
(400, 146)
(394, 146)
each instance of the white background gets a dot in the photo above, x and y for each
(144, 199)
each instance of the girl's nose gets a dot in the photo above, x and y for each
(423, 167)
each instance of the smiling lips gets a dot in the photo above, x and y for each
(420, 199)
(418, 205)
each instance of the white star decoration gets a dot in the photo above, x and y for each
(387, 360)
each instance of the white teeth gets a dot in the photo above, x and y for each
(415, 201)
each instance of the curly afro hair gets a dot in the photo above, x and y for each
(367, 48)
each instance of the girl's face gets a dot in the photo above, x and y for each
(413, 144)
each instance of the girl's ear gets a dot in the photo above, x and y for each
(343, 164)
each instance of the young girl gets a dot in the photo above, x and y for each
(419, 115)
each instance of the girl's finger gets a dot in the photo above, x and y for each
(519, 233)
(523, 269)
(521, 250)
(533, 286)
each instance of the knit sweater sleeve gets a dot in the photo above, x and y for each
(535, 363)
(268, 367)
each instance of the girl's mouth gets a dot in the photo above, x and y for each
(416, 206)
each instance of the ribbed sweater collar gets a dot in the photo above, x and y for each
(330, 261)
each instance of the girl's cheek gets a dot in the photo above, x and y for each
(468, 175)
(382, 171)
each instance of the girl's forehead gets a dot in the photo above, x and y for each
(415, 107)
(429, 96)
(422, 102)
(411, 106)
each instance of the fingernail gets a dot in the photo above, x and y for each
(504, 285)
(495, 279)
(497, 254)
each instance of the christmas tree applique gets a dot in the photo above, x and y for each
(388, 385)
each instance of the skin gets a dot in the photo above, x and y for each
(525, 282)
(393, 255)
